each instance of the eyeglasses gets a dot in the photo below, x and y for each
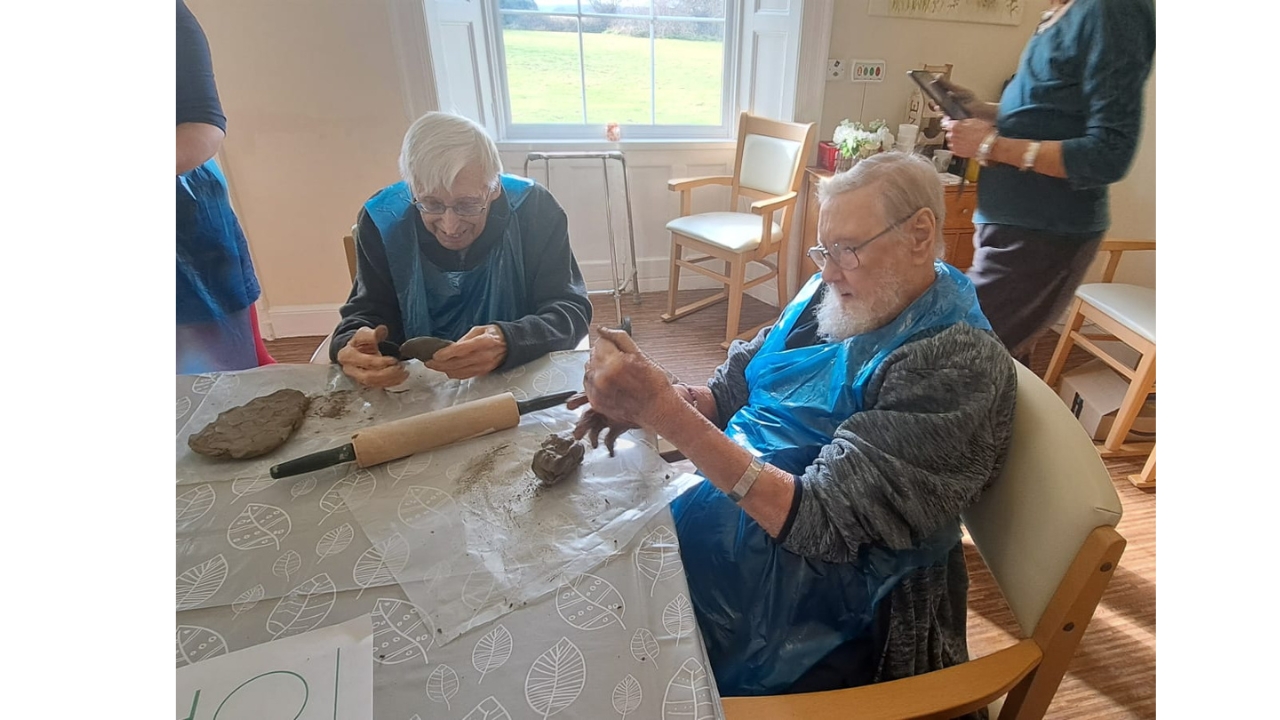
(466, 208)
(847, 256)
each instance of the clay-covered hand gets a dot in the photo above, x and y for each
(964, 136)
(623, 384)
(479, 352)
(362, 362)
(593, 423)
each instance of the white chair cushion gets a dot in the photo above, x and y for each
(1131, 305)
(739, 232)
(768, 164)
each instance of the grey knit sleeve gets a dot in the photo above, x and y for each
(934, 432)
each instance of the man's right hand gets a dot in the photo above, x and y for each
(362, 362)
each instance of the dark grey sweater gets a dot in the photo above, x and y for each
(934, 434)
(553, 283)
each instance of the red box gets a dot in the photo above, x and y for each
(827, 155)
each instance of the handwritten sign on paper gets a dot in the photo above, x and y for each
(324, 674)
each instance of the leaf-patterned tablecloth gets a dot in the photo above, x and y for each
(616, 641)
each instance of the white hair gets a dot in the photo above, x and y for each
(839, 320)
(906, 182)
(439, 145)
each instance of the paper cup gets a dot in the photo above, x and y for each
(906, 141)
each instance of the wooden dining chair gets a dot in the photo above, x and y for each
(1124, 313)
(768, 170)
(1147, 477)
(349, 247)
(1046, 530)
(321, 355)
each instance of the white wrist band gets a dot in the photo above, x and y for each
(748, 479)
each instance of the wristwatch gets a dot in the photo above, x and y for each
(748, 479)
(984, 148)
(1029, 157)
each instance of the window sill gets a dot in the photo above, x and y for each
(526, 146)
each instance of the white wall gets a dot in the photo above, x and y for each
(1133, 202)
(315, 115)
(983, 55)
(317, 102)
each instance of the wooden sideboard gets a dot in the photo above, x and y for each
(957, 230)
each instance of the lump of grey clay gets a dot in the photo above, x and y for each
(255, 428)
(558, 457)
(423, 348)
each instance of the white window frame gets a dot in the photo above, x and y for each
(509, 131)
(449, 52)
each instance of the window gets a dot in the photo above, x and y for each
(532, 70)
(658, 68)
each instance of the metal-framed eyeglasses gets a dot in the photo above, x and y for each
(846, 256)
(464, 208)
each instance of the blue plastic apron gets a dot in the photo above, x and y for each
(447, 304)
(216, 285)
(768, 615)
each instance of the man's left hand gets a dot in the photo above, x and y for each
(480, 351)
(964, 136)
(623, 384)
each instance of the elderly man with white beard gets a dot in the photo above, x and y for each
(838, 448)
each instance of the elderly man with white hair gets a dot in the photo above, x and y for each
(460, 251)
(838, 448)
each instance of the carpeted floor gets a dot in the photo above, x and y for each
(1113, 675)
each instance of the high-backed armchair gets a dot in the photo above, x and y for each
(768, 170)
(1046, 529)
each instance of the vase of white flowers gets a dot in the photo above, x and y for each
(857, 142)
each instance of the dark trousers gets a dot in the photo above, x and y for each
(1026, 279)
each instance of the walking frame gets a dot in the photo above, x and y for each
(619, 284)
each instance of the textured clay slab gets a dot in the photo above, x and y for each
(558, 457)
(255, 428)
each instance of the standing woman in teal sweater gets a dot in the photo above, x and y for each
(1066, 128)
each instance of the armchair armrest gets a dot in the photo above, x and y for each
(940, 694)
(760, 207)
(1119, 245)
(682, 184)
(765, 209)
(1115, 248)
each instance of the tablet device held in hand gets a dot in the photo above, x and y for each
(939, 96)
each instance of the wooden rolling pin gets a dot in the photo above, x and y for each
(412, 435)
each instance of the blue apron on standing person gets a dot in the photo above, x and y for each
(447, 304)
(216, 285)
(768, 615)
